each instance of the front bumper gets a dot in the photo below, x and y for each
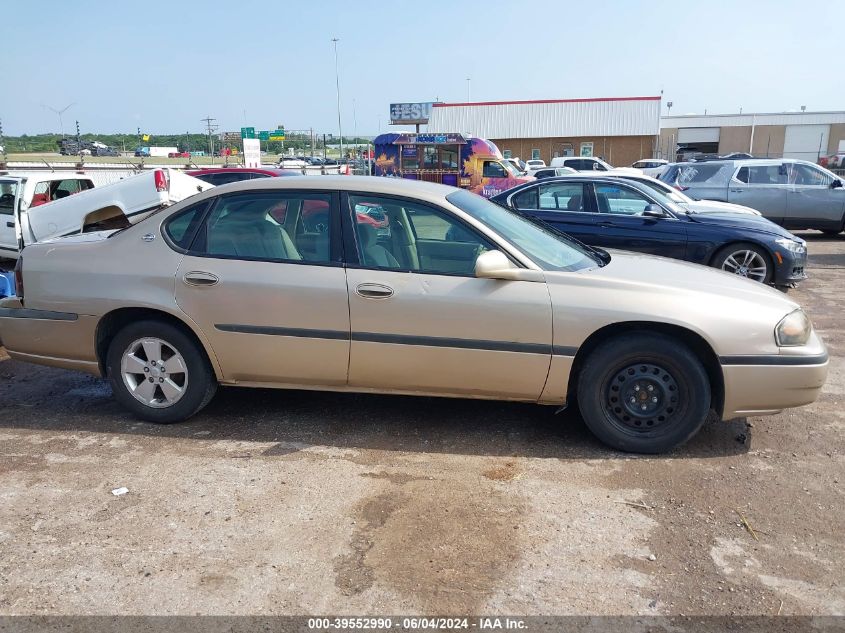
(763, 385)
(790, 268)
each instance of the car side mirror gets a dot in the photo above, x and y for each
(653, 211)
(496, 265)
(836, 184)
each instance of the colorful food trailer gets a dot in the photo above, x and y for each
(450, 159)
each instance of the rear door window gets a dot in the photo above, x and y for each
(562, 196)
(762, 175)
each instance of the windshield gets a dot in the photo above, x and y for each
(664, 199)
(670, 192)
(550, 251)
(512, 169)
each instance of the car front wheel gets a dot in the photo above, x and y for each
(745, 260)
(643, 393)
(159, 372)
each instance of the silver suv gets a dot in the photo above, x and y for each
(794, 193)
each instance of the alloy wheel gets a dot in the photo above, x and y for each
(154, 372)
(746, 263)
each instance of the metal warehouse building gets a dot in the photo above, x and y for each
(805, 135)
(619, 129)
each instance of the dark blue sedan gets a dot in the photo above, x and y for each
(615, 213)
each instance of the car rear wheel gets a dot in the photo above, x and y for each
(745, 260)
(831, 232)
(643, 393)
(159, 372)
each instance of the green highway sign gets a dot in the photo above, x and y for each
(277, 135)
(247, 132)
(263, 135)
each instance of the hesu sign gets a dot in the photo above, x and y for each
(410, 112)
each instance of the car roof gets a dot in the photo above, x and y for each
(45, 175)
(365, 184)
(272, 171)
(742, 162)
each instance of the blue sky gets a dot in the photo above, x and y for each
(165, 65)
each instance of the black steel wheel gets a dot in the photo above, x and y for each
(643, 392)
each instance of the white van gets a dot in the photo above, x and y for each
(589, 163)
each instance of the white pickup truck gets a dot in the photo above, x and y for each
(110, 206)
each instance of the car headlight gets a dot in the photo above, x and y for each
(792, 246)
(793, 329)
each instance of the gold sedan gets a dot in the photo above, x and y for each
(392, 286)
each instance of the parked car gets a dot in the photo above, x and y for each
(651, 166)
(224, 175)
(104, 151)
(535, 163)
(589, 164)
(503, 309)
(834, 161)
(612, 212)
(691, 205)
(519, 165)
(291, 162)
(178, 154)
(551, 172)
(114, 205)
(143, 152)
(795, 193)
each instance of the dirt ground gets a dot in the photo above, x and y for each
(310, 503)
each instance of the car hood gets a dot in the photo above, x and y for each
(733, 314)
(742, 221)
(714, 206)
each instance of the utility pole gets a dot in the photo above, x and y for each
(5, 151)
(469, 89)
(337, 86)
(79, 144)
(210, 126)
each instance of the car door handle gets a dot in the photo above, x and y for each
(199, 278)
(10, 225)
(606, 225)
(374, 291)
(737, 190)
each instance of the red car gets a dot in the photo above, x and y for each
(179, 155)
(224, 175)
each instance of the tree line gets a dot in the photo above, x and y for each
(46, 143)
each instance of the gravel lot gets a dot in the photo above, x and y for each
(308, 503)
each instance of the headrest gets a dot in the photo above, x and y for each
(368, 235)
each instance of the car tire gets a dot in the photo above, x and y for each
(742, 256)
(675, 383)
(164, 390)
(831, 232)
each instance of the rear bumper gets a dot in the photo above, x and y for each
(770, 384)
(58, 339)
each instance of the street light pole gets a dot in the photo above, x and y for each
(337, 86)
(469, 89)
